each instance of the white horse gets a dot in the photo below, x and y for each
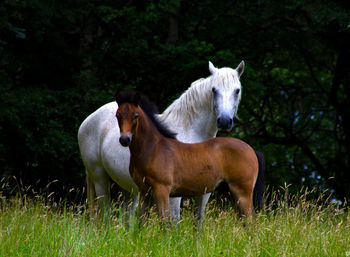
(207, 106)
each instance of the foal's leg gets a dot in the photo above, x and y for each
(161, 195)
(144, 203)
(244, 198)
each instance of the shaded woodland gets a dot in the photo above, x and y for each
(60, 60)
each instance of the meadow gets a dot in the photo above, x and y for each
(289, 225)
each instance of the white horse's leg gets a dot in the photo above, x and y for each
(101, 186)
(128, 201)
(91, 194)
(133, 205)
(129, 208)
(174, 208)
(128, 205)
(201, 202)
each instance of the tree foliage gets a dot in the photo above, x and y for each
(61, 60)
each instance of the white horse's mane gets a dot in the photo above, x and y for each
(198, 95)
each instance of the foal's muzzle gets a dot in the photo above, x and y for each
(224, 123)
(125, 139)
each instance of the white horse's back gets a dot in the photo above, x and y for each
(101, 152)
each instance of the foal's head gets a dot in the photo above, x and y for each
(129, 116)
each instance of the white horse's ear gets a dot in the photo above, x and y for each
(240, 68)
(212, 68)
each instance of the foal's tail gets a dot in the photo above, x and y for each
(259, 184)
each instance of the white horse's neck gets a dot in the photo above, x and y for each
(191, 116)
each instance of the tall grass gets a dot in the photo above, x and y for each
(290, 225)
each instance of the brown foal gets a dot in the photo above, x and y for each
(162, 167)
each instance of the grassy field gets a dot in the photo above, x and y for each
(289, 226)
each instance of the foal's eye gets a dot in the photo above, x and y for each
(214, 90)
(237, 91)
(134, 118)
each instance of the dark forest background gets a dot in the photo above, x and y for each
(61, 60)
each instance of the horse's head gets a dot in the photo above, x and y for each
(134, 107)
(127, 116)
(226, 92)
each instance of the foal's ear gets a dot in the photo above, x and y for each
(121, 97)
(240, 68)
(136, 99)
(212, 68)
(117, 97)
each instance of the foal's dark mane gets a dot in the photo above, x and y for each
(138, 99)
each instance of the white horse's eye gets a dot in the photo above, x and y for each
(237, 91)
(214, 90)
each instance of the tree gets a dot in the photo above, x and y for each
(62, 60)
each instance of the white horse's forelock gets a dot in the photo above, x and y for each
(227, 78)
(198, 95)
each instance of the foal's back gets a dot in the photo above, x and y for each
(198, 168)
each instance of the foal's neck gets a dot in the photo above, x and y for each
(145, 136)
